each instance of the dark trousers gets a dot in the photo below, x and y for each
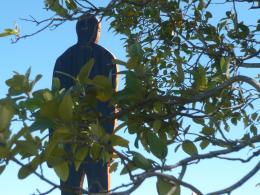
(97, 176)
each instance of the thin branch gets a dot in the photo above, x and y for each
(37, 174)
(250, 65)
(238, 183)
(255, 154)
(211, 92)
(214, 154)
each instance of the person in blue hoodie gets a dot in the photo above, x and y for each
(70, 62)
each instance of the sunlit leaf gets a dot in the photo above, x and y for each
(62, 170)
(66, 108)
(9, 31)
(71, 4)
(104, 87)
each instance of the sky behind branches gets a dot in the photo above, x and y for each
(40, 52)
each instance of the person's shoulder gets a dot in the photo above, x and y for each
(104, 50)
(67, 52)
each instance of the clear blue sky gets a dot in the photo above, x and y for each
(40, 52)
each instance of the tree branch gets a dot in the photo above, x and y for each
(239, 183)
(250, 65)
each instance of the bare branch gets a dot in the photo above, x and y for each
(238, 183)
(213, 154)
(255, 154)
(250, 65)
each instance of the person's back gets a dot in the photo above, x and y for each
(71, 62)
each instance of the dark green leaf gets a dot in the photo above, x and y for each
(189, 147)
(157, 146)
(118, 141)
(165, 187)
(113, 167)
(2, 168)
(25, 171)
(141, 162)
(129, 167)
(204, 144)
(6, 114)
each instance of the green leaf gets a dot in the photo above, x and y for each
(2, 168)
(118, 141)
(253, 129)
(25, 171)
(180, 72)
(55, 6)
(62, 170)
(204, 144)
(189, 147)
(223, 64)
(157, 124)
(200, 78)
(71, 4)
(208, 130)
(80, 156)
(40, 124)
(4, 152)
(141, 162)
(113, 167)
(135, 51)
(9, 31)
(18, 84)
(157, 146)
(209, 108)
(28, 169)
(50, 110)
(83, 75)
(95, 151)
(104, 88)
(66, 108)
(27, 148)
(129, 167)
(6, 114)
(165, 187)
(55, 84)
(133, 87)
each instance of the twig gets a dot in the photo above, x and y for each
(238, 183)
